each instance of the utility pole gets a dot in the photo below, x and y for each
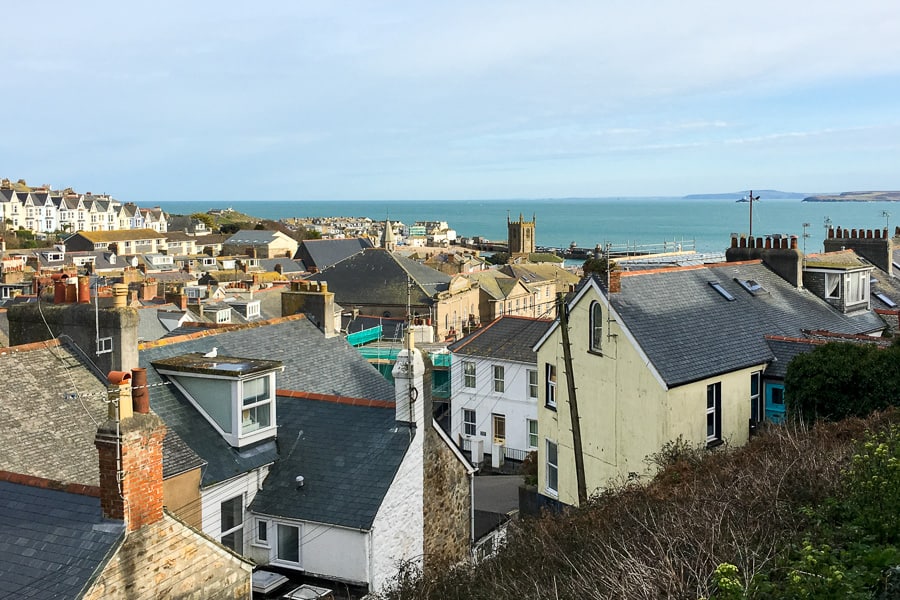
(573, 404)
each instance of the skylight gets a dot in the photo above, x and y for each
(752, 286)
(886, 300)
(722, 291)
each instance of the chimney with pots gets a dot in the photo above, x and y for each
(130, 456)
(779, 252)
(876, 246)
(313, 299)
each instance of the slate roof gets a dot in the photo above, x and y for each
(507, 338)
(288, 265)
(379, 277)
(347, 454)
(784, 350)
(690, 332)
(321, 254)
(495, 283)
(253, 237)
(56, 402)
(312, 363)
(53, 542)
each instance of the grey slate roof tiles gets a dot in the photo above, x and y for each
(52, 542)
(312, 363)
(690, 332)
(509, 338)
(322, 254)
(348, 456)
(381, 278)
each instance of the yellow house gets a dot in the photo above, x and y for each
(661, 355)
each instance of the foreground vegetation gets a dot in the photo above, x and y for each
(797, 513)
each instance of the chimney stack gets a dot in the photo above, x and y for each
(130, 457)
(409, 385)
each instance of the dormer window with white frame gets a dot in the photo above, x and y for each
(236, 395)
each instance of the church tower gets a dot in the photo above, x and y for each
(388, 241)
(520, 238)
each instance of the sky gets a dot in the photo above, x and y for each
(152, 101)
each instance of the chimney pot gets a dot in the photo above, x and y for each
(140, 396)
(769, 243)
(84, 289)
(793, 242)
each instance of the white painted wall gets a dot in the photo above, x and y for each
(513, 403)
(398, 530)
(212, 497)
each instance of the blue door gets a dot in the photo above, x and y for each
(774, 402)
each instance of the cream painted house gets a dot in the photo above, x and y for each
(662, 355)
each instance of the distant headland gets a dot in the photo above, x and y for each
(763, 194)
(856, 197)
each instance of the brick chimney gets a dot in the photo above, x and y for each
(314, 299)
(876, 246)
(131, 460)
(778, 252)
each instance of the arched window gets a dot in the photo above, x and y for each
(596, 327)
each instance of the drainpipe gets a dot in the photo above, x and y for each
(472, 514)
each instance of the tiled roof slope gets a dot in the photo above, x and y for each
(312, 363)
(53, 542)
(321, 254)
(690, 332)
(52, 405)
(508, 338)
(785, 349)
(377, 276)
(348, 456)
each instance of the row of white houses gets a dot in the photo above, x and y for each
(45, 211)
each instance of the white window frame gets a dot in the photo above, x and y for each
(469, 378)
(714, 413)
(552, 468)
(498, 428)
(499, 378)
(470, 426)
(277, 544)
(832, 288)
(532, 383)
(857, 287)
(262, 525)
(596, 328)
(239, 526)
(223, 316)
(104, 345)
(756, 404)
(260, 400)
(550, 385)
(531, 429)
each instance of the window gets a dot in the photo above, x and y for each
(498, 378)
(499, 422)
(596, 327)
(232, 523)
(832, 285)
(532, 383)
(756, 407)
(468, 374)
(104, 345)
(255, 404)
(713, 413)
(469, 421)
(857, 287)
(550, 400)
(262, 533)
(532, 434)
(778, 395)
(552, 468)
(288, 548)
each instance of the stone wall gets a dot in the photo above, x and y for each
(170, 560)
(446, 506)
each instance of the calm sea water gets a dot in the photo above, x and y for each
(592, 221)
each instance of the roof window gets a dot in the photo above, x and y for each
(753, 287)
(722, 291)
(886, 300)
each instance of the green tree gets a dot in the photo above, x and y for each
(206, 219)
(839, 380)
(597, 265)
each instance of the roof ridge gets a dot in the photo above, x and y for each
(216, 330)
(477, 334)
(349, 400)
(52, 343)
(50, 484)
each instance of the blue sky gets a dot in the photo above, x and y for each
(202, 100)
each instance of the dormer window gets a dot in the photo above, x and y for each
(236, 395)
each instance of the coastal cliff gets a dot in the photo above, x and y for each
(856, 197)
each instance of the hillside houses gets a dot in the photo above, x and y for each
(686, 353)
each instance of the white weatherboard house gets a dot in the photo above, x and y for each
(320, 467)
(495, 388)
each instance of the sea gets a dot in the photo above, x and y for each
(706, 225)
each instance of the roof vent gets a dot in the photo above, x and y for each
(299, 479)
